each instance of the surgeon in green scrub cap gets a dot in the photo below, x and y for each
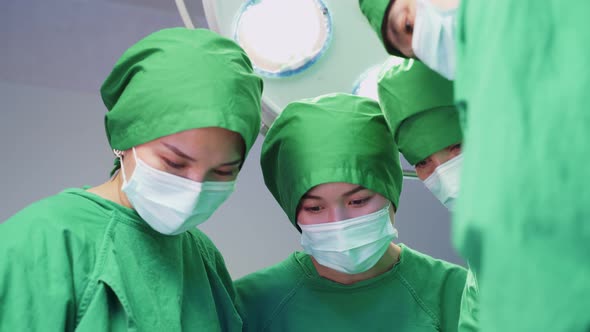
(418, 105)
(333, 166)
(183, 111)
(421, 29)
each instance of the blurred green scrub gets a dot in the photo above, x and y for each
(123, 256)
(523, 218)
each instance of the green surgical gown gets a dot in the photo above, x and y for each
(523, 218)
(75, 261)
(418, 294)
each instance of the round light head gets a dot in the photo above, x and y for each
(283, 37)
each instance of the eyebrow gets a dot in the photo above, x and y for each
(354, 191)
(184, 155)
(177, 151)
(233, 163)
(348, 193)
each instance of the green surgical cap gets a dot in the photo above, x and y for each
(179, 79)
(418, 106)
(376, 13)
(332, 138)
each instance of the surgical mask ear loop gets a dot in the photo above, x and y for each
(119, 154)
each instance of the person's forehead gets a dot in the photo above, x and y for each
(334, 189)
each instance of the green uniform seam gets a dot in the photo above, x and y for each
(98, 269)
(420, 302)
(283, 302)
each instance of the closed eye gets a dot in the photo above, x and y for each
(312, 209)
(173, 164)
(360, 202)
(225, 173)
(422, 163)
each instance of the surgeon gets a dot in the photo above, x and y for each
(333, 166)
(183, 111)
(421, 29)
(418, 106)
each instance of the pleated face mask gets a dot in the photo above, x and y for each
(444, 181)
(350, 246)
(172, 204)
(433, 40)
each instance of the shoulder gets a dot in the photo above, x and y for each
(263, 292)
(52, 242)
(274, 277)
(68, 214)
(70, 208)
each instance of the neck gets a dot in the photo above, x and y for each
(386, 263)
(111, 190)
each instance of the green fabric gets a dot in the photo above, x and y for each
(376, 13)
(425, 133)
(179, 79)
(418, 105)
(75, 261)
(523, 216)
(332, 138)
(419, 294)
(468, 319)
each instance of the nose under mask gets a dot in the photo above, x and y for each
(172, 204)
(444, 182)
(350, 246)
(433, 39)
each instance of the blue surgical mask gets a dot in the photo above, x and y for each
(350, 246)
(444, 181)
(172, 204)
(433, 39)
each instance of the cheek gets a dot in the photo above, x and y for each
(147, 156)
(376, 204)
(424, 172)
(381, 202)
(302, 217)
(306, 218)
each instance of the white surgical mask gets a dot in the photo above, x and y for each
(444, 181)
(350, 246)
(172, 204)
(433, 39)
